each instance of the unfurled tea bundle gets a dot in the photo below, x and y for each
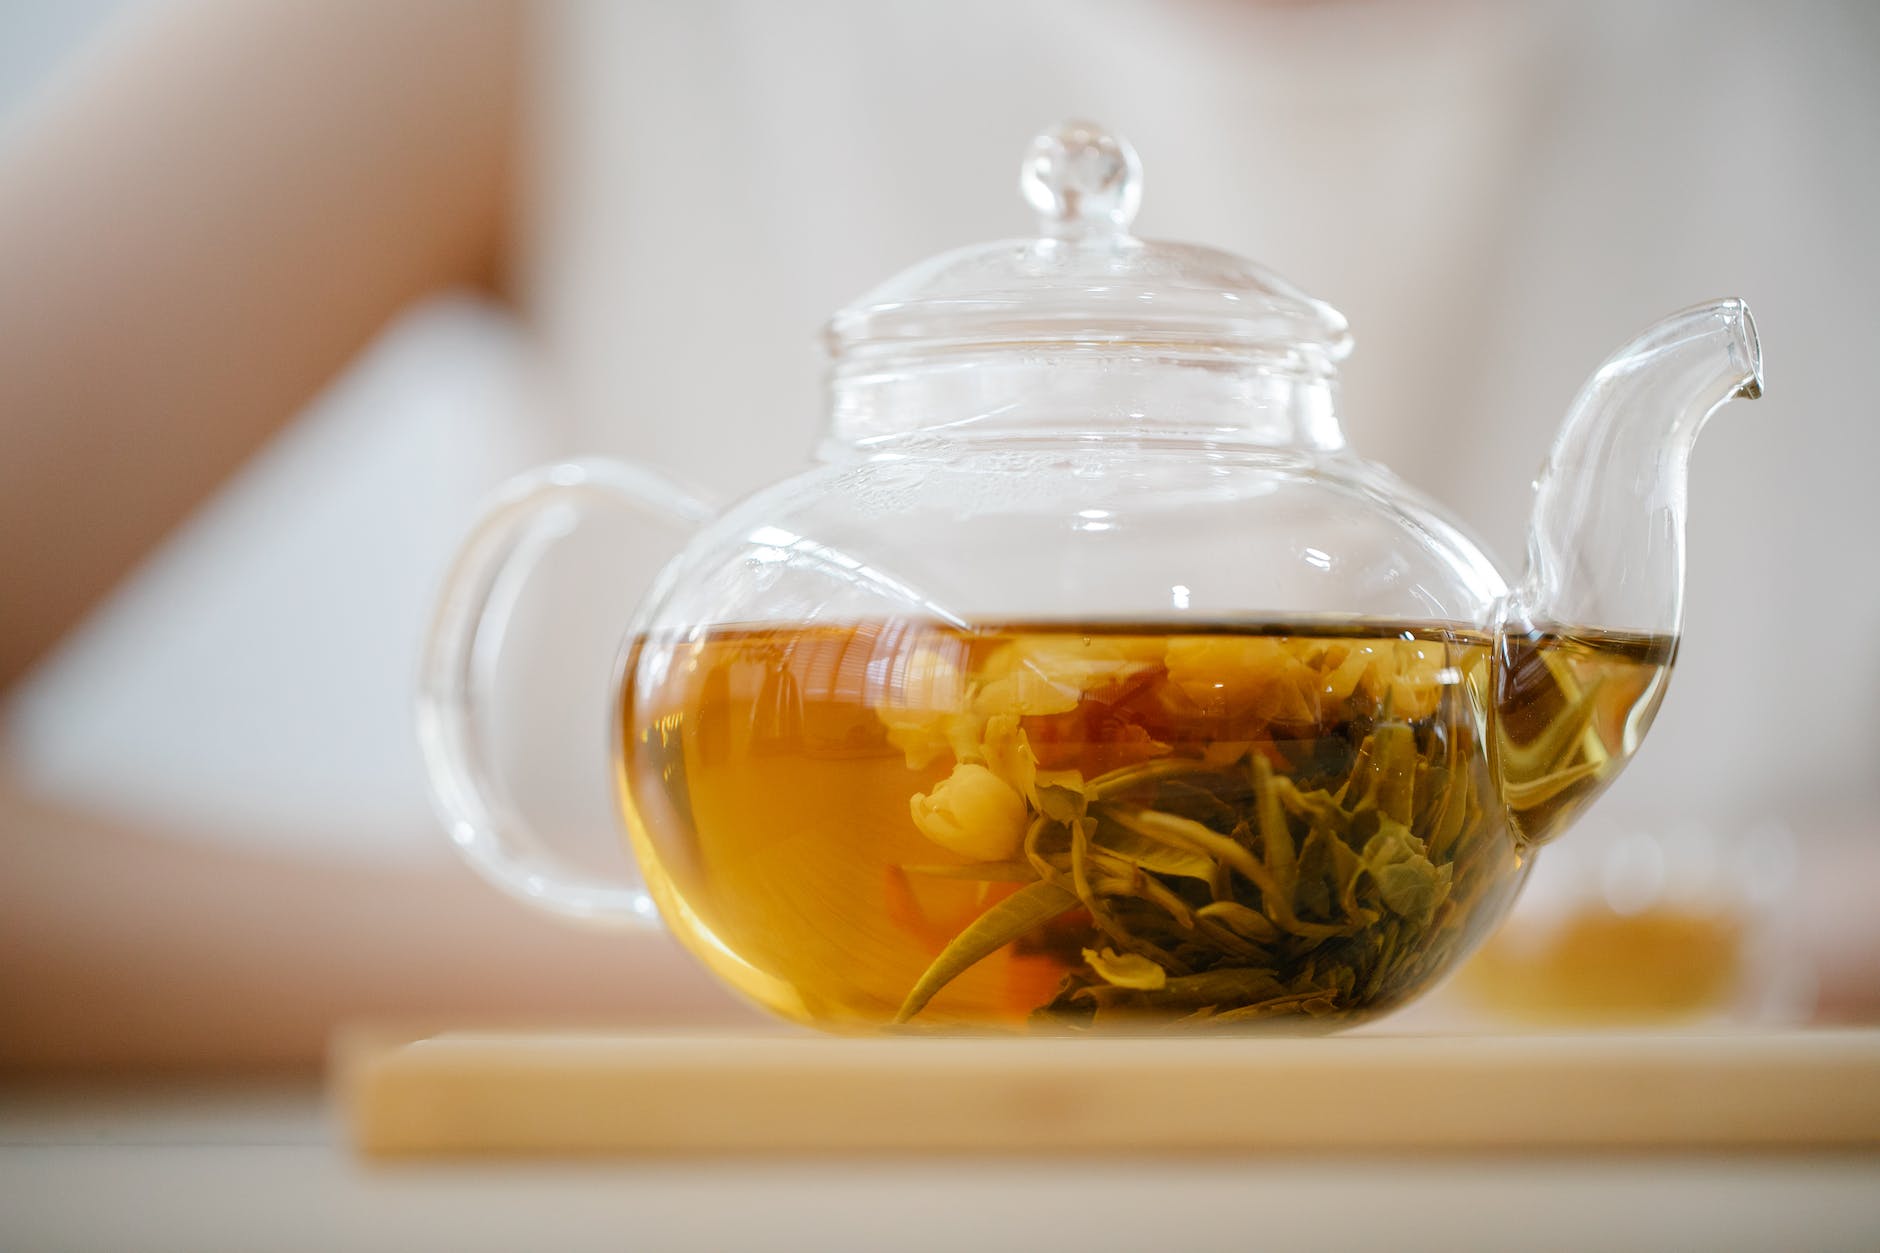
(1072, 827)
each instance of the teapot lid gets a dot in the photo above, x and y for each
(1085, 282)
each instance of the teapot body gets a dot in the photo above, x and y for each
(965, 695)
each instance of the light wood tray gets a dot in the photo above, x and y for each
(517, 1092)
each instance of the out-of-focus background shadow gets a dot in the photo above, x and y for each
(214, 835)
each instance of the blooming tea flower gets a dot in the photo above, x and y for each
(972, 812)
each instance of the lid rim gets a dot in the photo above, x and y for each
(1015, 324)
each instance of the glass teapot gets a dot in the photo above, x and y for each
(1087, 679)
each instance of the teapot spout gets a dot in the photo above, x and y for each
(1584, 643)
(1606, 545)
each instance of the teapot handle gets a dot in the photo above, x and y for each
(457, 667)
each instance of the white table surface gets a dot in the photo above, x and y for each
(260, 1168)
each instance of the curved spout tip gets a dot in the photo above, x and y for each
(1737, 311)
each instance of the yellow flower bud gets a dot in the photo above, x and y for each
(972, 812)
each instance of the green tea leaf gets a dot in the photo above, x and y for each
(1412, 889)
(1235, 985)
(1391, 787)
(1272, 1007)
(1250, 923)
(1347, 868)
(1276, 841)
(1023, 911)
(1156, 855)
(1219, 939)
(1316, 892)
(1151, 890)
(1188, 800)
(1080, 863)
(1115, 782)
(1451, 810)
(1126, 970)
(1409, 884)
(1033, 848)
(1118, 885)
(1221, 986)
(1181, 832)
(1058, 802)
(1318, 806)
(1393, 841)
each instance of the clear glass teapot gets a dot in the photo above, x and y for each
(1087, 679)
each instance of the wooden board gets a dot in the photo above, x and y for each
(517, 1092)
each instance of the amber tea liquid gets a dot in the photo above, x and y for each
(1066, 827)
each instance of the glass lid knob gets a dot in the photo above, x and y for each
(1082, 180)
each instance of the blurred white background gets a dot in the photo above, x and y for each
(252, 683)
